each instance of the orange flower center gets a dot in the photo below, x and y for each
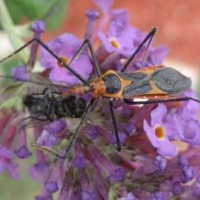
(114, 43)
(160, 132)
(64, 61)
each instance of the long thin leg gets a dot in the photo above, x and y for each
(23, 124)
(149, 36)
(115, 126)
(161, 100)
(52, 53)
(41, 93)
(96, 65)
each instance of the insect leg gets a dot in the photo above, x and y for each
(96, 65)
(149, 36)
(161, 100)
(41, 93)
(52, 53)
(24, 122)
(76, 134)
(115, 126)
(45, 91)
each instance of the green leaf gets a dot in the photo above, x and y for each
(52, 11)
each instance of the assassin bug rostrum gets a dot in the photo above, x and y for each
(153, 84)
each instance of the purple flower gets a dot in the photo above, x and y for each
(122, 138)
(160, 196)
(160, 162)
(190, 109)
(51, 186)
(117, 175)
(187, 170)
(118, 39)
(23, 152)
(40, 168)
(65, 46)
(38, 26)
(79, 162)
(19, 73)
(6, 157)
(47, 139)
(92, 16)
(43, 198)
(54, 177)
(128, 196)
(158, 134)
(86, 195)
(156, 55)
(56, 126)
(92, 132)
(103, 5)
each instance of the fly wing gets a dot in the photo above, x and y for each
(42, 83)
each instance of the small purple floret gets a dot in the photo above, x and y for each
(183, 162)
(117, 175)
(47, 139)
(160, 162)
(189, 174)
(159, 196)
(128, 196)
(43, 198)
(92, 132)
(56, 126)
(130, 128)
(23, 152)
(164, 146)
(19, 73)
(86, 195)
(79, 162)
(157, 55)
(103, 5)
(65, 46)
(6, 157)
(92, 14)
(51, 186)
(38, 26)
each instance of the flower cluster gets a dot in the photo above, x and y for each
(160, 142)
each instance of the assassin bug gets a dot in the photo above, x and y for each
(156, 84)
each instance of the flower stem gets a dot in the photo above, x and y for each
(9, 27)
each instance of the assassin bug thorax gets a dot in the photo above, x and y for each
(153, 84)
